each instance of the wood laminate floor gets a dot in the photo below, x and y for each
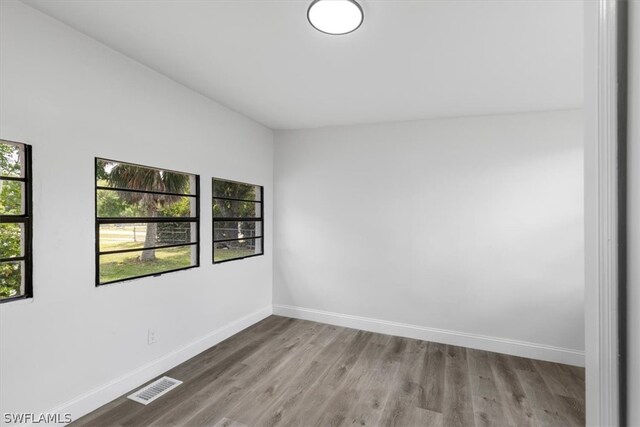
(288, 372)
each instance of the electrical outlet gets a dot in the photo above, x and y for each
(151, 336)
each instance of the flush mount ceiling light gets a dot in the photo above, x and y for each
(335, 16)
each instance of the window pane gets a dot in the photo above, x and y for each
(224, 251)
(236, 229)
(115, 237)
(11, 197)
(11, 240)
(11, 158)
(139, 263)
(11, 279)
(235, 209)
(14, 273)
(134, 177)
(127, 204)
(236, 190)
(138, 192)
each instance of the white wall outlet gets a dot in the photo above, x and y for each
(151, 336)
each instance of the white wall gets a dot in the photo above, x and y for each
(73, 99)
(472, 226)
(633, 215)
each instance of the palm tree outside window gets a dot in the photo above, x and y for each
(147, 221)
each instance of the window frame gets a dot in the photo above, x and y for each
(26, 219)
(238, 219)
(136, 220)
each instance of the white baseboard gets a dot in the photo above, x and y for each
(97, 397)
(480, 342)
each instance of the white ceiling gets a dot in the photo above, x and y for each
(409, 60)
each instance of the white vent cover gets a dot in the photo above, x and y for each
(154, 390)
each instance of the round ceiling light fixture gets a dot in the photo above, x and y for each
(335, 16)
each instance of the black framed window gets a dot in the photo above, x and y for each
(15, 221)
(147, 221)
(237, 220)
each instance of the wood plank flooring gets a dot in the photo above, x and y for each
(288, 372)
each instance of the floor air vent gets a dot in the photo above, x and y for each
(154, 390)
